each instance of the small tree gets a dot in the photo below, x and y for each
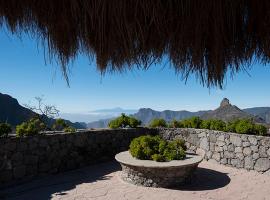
(44, 111)
(158, 123)
(5, 129)
(124, 121)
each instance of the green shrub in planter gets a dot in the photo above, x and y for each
(158, 122)
(5, 129)
(124, 121)
(155, 148)
(32, 127)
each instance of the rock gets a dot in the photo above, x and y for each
(254, 149)
(265, 142)
(262, 152)
(203, 134)
(246, 144)
(231, 148)
(247, 151)
(240, 156)
(268, 152)
(31, 160)
(218, 149)
(21, 146)
(253, 140)
(237, 163)
(238, 150)
(220, 143)
(248, 163)
(262, 165)
(223, 161)
(221, 138)
(204, 144)
(5, 176)
(255, 156)
(228, 154)
(212, 138)
(209, 155)
(236, 140)
(216, 156)
(19, 172)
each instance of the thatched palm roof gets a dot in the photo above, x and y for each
(207, 38)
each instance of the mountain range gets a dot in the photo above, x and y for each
(13, 113)
(226, 112)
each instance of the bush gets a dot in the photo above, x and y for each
(206, 124)
(5, 129)
(59, 125)
(124, 121)
(260, 129)
(175, 124)
(217, 125)
(193, 122)
(32, 127)
(244, 127)
(69, 129)
(155, 148)
(158, 123)
(230, 127)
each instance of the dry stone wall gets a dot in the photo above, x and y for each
(24, 158)
(242, 151)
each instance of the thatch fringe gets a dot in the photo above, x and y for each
(208, 38)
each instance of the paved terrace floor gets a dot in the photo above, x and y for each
(102, 181)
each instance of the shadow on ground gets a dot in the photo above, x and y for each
(206, 179)
(43, 188)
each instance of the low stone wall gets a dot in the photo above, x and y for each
(24, 158)
(242, 151)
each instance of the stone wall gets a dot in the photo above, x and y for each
(24, 158)
(241, 151)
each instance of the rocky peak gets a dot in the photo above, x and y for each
(225, 102)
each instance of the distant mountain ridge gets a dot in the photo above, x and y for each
(225, 112)
(13, 113)
(228, 112)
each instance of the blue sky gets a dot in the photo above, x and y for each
(25, 75)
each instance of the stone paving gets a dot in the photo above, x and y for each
(98, 182)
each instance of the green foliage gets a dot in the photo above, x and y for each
(155, 148)
(175, 124)
(158, 123)
(59, 125)
(193, 122)
(32, 127)
(69, 129)
(5, 129)
(230, 127)
(124, 121)
(260, 129)
(244, 127)
(218, 125)
(206, 124)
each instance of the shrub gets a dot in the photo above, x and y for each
(217, 125)
(193, 122)
(69, 129)
(244, 126)
(175, 124)
(5, 129)
(124, 121)
(155, 148)
(230, 127)
(59, 125)
(158, 123)
(32, 127)
(206, 124)
(260, 129)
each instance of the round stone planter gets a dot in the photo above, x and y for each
(157, 174)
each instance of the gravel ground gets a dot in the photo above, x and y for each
(212, 181)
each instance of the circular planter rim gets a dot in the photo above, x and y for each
(126, 159)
